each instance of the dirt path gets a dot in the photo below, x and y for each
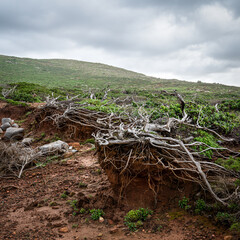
(37, 207)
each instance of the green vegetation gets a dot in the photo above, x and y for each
(224, 215)
(235, 227)
(90, 140)
(100, 106)
(96, 214)
(76, 210)
(73, 204)
(134, 218)
(67, 74)
(231, 163)
(47, 161)
(225, 218)
(64, 195)
(78, 75)
(209, 141)
(200, 206)
(74, 225)
(16, 103)
(82, 211)
(184, 203)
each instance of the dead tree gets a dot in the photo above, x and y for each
(138, 146)
(132, 146)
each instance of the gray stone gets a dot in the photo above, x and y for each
(6, 120)
(15, 125)
(27, 141)
(5, 126)
(14, 133)
(58, 146)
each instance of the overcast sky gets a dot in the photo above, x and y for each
(183, 39)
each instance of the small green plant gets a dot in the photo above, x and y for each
(82, 211)
(160, 228)
(235, 227)
(96, 213)
(237, 183)
(56, 137)
(131, 226)
(184, 203)
(134, 218)
(200, 206)
(90, 140)
(73, 204)
(43, 134)
(140, 214)
(28, 113)
(64, 195)
(53, 203)
(74, 225)
(47, 161)
(74, 214)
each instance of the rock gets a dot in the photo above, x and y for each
(100, 235)
(101, 220)
(228, 237)
(15, 125)
(27, 141)
(58, 146)
(1, 131)
(6, 120)
(64, 230)
(5, 126)
(14, 133)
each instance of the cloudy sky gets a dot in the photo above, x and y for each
(184, 39)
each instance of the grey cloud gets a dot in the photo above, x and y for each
(201, 36)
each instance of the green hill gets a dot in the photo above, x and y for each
(72, 74)
(68, 73)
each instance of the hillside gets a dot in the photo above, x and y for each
(68, 73)
(72, 74)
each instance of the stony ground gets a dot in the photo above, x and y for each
(34, 207)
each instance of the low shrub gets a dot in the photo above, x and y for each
(184, 203)
(96, 213)
(134, 218)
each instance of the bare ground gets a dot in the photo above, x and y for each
(32, 207)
